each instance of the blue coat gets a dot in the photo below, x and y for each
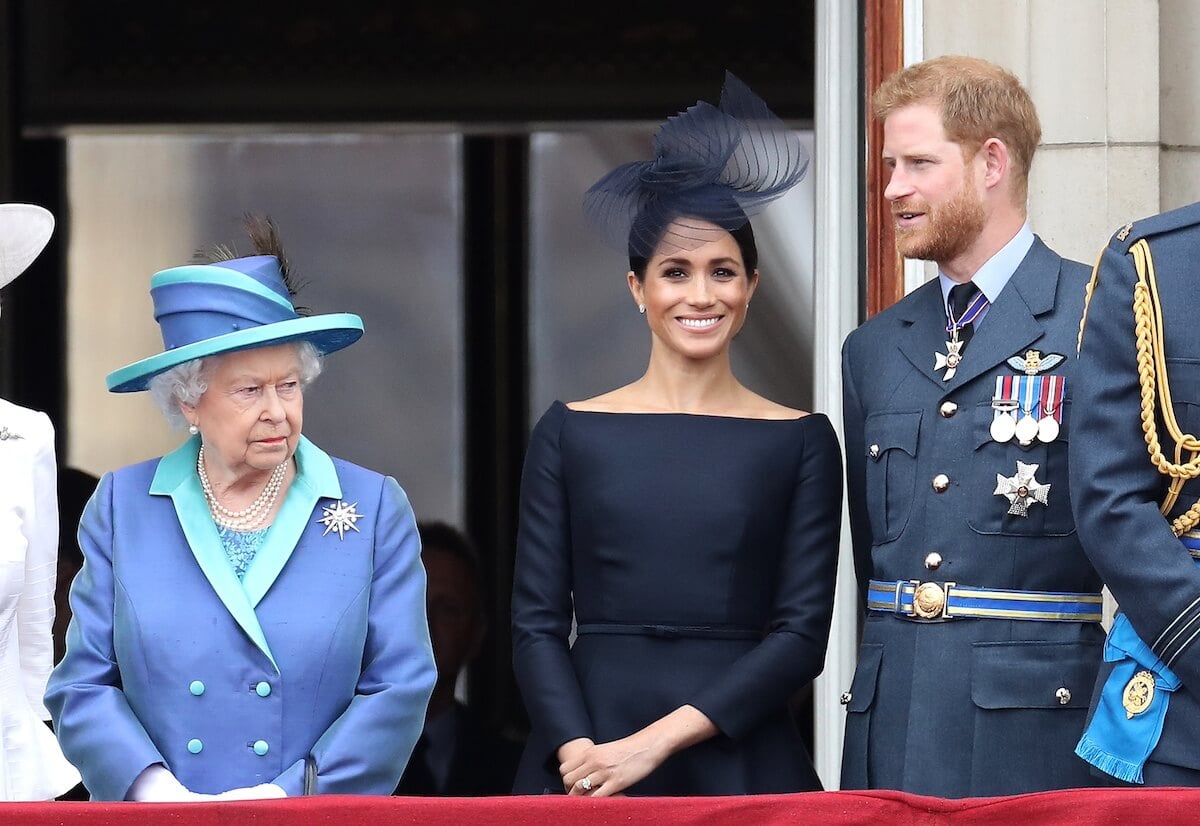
(964, 707)
(323, 649)
(1117, 490)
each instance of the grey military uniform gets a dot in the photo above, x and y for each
(1118, 492)
(968, 706)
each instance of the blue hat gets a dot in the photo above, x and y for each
(719, 164)
(207, 309)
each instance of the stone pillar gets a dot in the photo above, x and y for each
(1179, 102)
(1093, 71)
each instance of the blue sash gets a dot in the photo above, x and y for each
(1124, 729)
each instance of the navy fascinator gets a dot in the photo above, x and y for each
(712, 165)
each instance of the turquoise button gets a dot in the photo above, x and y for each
(197, 688)
(261, 747)
(195, 746)
(263, 689)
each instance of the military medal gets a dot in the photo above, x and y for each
(1138, 694)
(1028, 406)
(1053, 388)
(1004, 426)
(1026, 430)
(1004, 420)
(1022, 489)
(950, 360)
(1047, 429)
(1027, 425)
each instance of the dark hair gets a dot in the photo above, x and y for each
(743, 235)
(440, 536)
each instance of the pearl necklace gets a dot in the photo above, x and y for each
(248, 518)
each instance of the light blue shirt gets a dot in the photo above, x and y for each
(996, 271)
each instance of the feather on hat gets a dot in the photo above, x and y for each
(232, 304)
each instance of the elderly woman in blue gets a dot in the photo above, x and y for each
(250, 618)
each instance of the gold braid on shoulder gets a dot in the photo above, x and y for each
(1152, 374)
(1087, 300)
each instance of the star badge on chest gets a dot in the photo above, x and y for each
(949, 360)
(1022, 489)
(340, 517)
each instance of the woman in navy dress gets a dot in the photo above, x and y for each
(688, 525)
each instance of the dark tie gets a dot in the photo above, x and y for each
(961, 296)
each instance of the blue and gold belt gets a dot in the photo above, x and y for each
(935, 601)
(1132, 707)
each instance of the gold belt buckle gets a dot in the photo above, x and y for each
(929, 599)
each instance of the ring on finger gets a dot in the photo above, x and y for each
(586, 784)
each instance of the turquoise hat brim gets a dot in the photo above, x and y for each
(328, 333)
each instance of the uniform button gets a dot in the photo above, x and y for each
(940, 483)
(948, 409)
(873, 450)
(261, 747)
(195, 746)
(197, 688)
(1063, 695)
(933, 561)
(846, 698)
(263, 689)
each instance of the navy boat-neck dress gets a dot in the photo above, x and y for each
(699, 555)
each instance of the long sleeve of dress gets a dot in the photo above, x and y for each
(541, 604)
(35, 611)
(793, 651)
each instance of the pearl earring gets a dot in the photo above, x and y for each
(193, 429)
(642, 309)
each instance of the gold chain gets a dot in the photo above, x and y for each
(1152, 374)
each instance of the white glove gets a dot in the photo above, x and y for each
(156, 784)
(263, 791)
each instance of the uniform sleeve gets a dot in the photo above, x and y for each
(35, 609)
(793, 651)
(98, 731)
(1116, 492)
(367, 747)
(856, 472)
(541, 602)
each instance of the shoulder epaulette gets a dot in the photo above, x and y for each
(1164, 222)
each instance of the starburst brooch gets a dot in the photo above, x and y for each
(340, 517)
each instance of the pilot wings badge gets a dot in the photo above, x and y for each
(1033, 362)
